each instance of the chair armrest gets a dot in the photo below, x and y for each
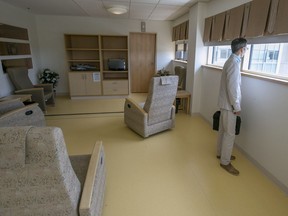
(30, 115)
(37, 95)
(93, 191)
(48, 87)
(132, 108)
(9, 105)
(28, 91)
(173, 111)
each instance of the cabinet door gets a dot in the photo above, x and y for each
(93, 84)
(77, 83)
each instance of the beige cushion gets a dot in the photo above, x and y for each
(12, 147)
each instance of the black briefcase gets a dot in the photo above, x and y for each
(216, 118)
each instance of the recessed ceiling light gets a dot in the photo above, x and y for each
(118, 9)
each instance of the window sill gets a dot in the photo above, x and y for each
(253, 75)
(213, 67)
(263, 77)
(182, 61)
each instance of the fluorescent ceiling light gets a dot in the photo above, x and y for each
(118, 9)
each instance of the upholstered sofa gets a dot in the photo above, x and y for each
(15, 113)
(37, 177)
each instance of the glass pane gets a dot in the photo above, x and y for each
(270, 59)
(267, 59)
(219, 55)
(181, 50)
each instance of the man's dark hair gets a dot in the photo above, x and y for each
(237, 44)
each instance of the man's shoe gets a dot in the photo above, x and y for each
(229, 168)
(231, 158)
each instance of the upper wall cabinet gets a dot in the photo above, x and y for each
(258, 17)
(233, 23)
(181, 31)
(254, 19)
(218, 27)
(280, 13)
(208, 29)
(14, 47)
(245, 19)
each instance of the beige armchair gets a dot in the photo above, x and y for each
(15, 113)
(41, 93)
(39, 178)
(158, 112)
(181, 73)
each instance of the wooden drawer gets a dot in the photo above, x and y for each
(115, 87)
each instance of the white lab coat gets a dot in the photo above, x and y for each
(230, 87)
(229, 102)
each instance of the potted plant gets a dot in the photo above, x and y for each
(49, 76)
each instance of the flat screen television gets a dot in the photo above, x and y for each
(116, 64)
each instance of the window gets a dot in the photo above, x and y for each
(219, 54)
(181, 50)
(265, 59)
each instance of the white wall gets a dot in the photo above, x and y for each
(263, 137)
(20, 18)
(51, 30)
(197, 54)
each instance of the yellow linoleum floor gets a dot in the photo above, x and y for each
(174, 173)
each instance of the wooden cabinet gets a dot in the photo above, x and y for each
(115, 87)
(14, 47)
(85, 84)
(83, 52)
(92, 53)
(114, 47)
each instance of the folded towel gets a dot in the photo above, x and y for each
(165, 80)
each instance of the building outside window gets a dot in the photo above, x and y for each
(266, 59)
(218, 55)
(181, 50)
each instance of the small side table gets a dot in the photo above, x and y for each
(24, 97)
(185, 97)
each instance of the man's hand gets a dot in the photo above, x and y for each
(237, 113)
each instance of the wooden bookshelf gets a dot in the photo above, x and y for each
(93, 52)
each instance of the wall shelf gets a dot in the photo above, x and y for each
(14, 47)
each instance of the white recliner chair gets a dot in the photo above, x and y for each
(158, 112)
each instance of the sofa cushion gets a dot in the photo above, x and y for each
(12, 147)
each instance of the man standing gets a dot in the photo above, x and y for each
(229, 103)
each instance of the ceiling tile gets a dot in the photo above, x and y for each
(93, 8)
(173, 2)
(145, 1)
(138, 9)
(51, 7)
(141, 11)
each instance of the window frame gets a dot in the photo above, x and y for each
(263, 75)
(185, 49)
